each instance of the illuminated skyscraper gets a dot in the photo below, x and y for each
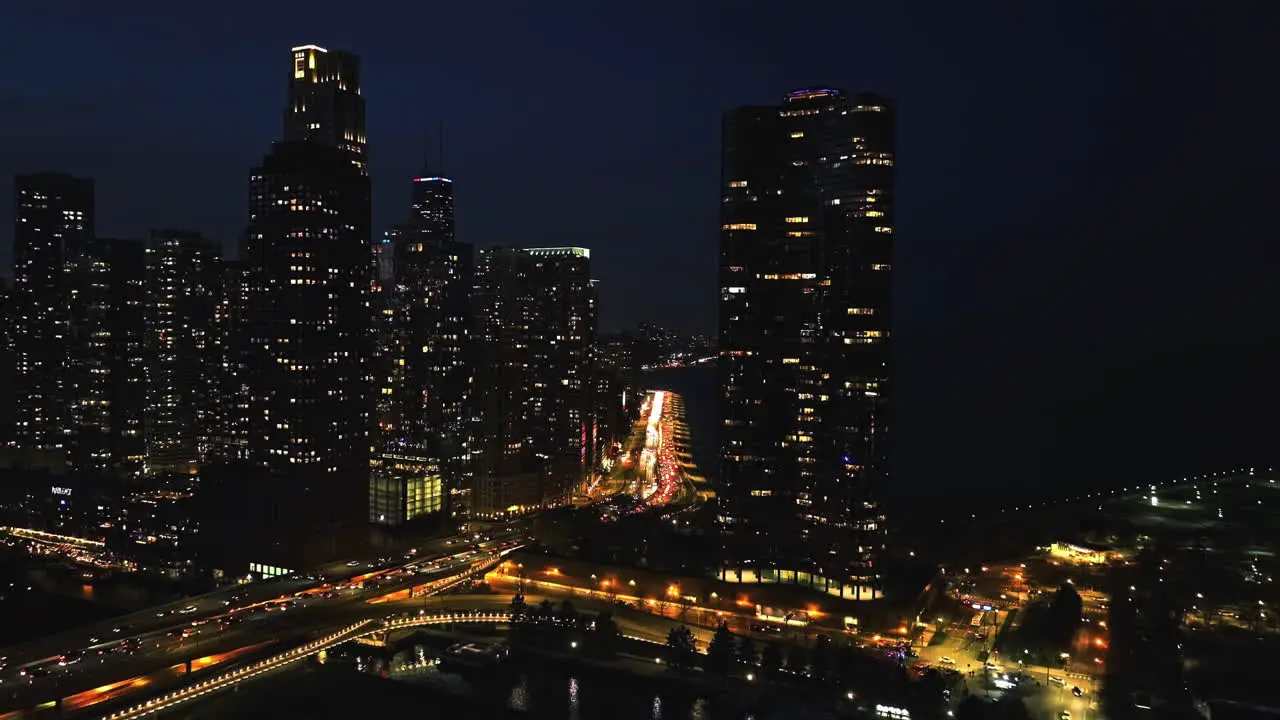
(53, 225)
(300, 496)
(805, 313)
(112, 393)
(307, 323)
(536, 325)
(183, 278)
(426, 366)
(227, 438)
(325, 105)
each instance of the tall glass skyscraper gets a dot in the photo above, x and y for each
(424, 428)
(805, 312)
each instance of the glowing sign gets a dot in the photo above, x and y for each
(61, 491)
(810, 94)
(433, 179)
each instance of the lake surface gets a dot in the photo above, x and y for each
(31, 609)
(538, 689)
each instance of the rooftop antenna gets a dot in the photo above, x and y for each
(440, 148)
(426, 155)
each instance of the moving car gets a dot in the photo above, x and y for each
(947, 661)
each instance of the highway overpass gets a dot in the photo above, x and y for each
(194, 636)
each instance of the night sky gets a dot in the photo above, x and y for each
(1086, 187)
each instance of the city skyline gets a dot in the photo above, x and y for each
(983, 428)
(130, 127)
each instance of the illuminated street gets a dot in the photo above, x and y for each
(648, 467)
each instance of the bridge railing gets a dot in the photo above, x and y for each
(351, 632)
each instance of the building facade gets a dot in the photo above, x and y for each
(428, 358)
(536, 325)
(53, 225)
(226, 438)
(300, 495)
(805, 316)
(307, 335)
(183, 278)
(618, 392)
(110, 417)
(325, 102)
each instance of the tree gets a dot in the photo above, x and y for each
(1064, 616)
(747, 654)
(567, 614)
(545, 610)
(1067, 603)
(770, 658)
(605, 634)
(972, 708)
(681, 647)
(518, 606)
(722, 651)
(1010, 708)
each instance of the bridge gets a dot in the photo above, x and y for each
(351, 633)
(364, 628)
(48, 537)
(201, 633)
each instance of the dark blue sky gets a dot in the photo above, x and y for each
(1087, 222)
(1066, 168)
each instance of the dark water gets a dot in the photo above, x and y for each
(546, 690)
(1047, 423)
(31, 607)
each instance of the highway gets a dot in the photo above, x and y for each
(647, 473)
(479, 609)
(320, 625)
(155, 645)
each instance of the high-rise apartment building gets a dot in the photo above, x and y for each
(7, 396)
(427, 363)
(110, 412)
(616, 395)
(53, 225)
(805, 266)
(227, 437)
(301, 495)
(536, 323)
(382, 272)
(325, 105)
(183, 278)
(307, 324)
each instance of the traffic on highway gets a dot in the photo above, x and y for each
(236, 617)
